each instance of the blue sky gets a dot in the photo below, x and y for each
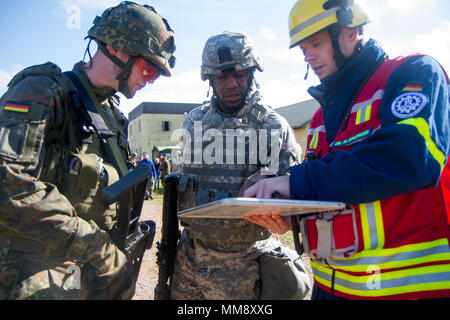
(38, 31)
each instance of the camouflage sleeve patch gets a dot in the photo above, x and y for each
(22, 131)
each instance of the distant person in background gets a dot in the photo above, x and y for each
(157, 164)
(164, 167)
(134, 160)
(149, 192)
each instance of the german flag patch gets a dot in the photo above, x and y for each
(411, 87)
(15, 107)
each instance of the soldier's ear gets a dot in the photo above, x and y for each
(113, 51)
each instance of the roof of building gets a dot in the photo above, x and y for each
(299, 114)
(161, 108)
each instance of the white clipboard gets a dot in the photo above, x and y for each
(238, 208)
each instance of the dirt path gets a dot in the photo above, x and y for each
(148, 275)
(149, 270)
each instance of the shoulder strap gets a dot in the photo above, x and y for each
(260, 113)
(89, 106)
(99, 126)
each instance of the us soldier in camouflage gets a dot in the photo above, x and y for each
(223, 259)
(55, 229)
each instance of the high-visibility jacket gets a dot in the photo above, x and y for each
(390, 248)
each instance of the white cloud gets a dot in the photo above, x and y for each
(286, 89)
(403, 6)
(280, 93)
(283, 54)
(267, 34)
(184, 88)
(376, 9)
(6, 76)
(436, 43)
(89, 4)
(77, 9)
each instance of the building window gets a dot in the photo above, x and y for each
(139, 125)
(165, 125)
(130, 131)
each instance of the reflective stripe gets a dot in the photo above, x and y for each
(379, 284)
(424, 130)
(313, 20)
(379, 223)
(316, 130)
(365, 226)
(400, 257)
(363, 114)
(378, 95)
(314, 141)
(372, 225)
(363, 109)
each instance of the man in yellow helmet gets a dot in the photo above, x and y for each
(380, 143)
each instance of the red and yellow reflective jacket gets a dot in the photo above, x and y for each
(393, 242)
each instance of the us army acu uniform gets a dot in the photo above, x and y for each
(222, 259)
(55, 230)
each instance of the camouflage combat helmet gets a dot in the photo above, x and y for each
(138, 31)
(228, 52)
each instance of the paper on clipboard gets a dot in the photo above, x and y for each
(238, 208)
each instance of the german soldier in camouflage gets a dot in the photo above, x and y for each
(55, 230)
(229, 259)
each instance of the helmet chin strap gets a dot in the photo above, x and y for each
(307, 72)
(339, 57)
(125, 73)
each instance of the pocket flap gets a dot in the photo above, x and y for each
(89, 171)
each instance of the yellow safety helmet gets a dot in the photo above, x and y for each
(309, 17)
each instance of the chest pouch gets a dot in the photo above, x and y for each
(82, 174)
(83, 178)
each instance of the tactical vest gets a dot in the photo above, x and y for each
(391, 248)
(75, 159)
(201, 183)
